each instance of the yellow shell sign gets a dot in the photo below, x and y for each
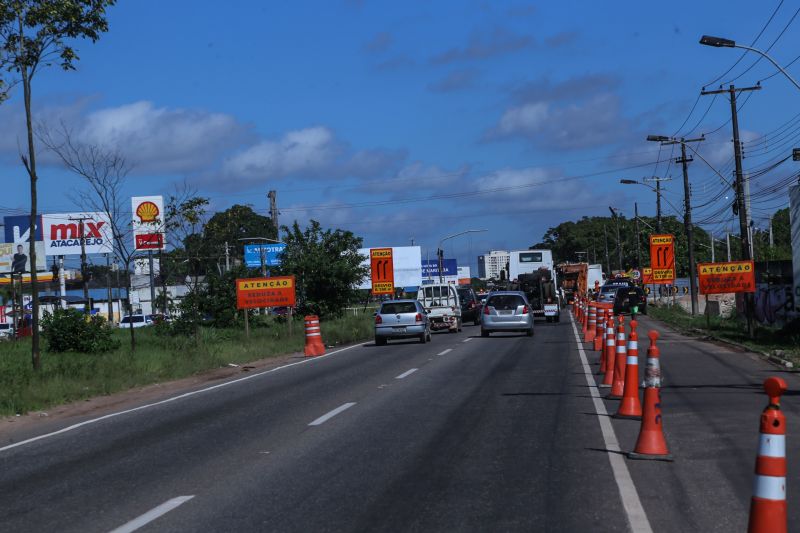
(147, 212)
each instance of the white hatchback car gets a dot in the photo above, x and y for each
(139, 321)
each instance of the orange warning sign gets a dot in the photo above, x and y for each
(252, 293)
(662, 258)
(718, 278)
(382, 270)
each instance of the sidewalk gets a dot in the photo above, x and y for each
(712, 398)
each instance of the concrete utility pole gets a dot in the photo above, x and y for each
(619, 241)
(638, 236)
(658, 200)
(728, 244)
(84, 274)
(273, 207)
(711, 233)
(687, 215)
(227, 258)
(152, 282)
(608, 261)
(741, 202)
(108, 285)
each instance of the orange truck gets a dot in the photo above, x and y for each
(573, 278)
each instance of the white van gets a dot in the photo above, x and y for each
(442, 304)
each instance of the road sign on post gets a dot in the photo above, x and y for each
(382, 270)
(254, 293)
(662, 259)
(719, 278)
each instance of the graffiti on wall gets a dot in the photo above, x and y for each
(775, 304)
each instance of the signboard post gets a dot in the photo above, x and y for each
(382, 270)
(253, 293)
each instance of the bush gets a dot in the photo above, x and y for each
(68, 330)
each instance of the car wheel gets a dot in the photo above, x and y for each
(428, 336)
(423, 338)
(477, 322)
(557, 318)
(529, 333)
(380, 341)
(458, 324)
(484, 333)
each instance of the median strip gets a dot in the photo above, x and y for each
(152, 514)
(327, 416)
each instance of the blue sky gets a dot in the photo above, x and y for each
(401, 120)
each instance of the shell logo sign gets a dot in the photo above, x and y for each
(148, 223)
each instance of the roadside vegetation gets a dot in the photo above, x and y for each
(767, 340)
(68, 376)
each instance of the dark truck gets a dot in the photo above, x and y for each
(540, 289)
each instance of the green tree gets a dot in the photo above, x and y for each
(327, 267)
(236, 222)
(33, 35)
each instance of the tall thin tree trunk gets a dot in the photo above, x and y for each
(31, 167)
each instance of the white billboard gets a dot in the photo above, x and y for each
(407, 263)
(148, 222)
(62, 233)
(14, 257)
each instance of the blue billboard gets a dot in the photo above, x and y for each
(271, 254)
(430, 268)
(17, 228)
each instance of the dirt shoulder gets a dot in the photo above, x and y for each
(17, 428)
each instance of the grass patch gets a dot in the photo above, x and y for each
(70, 376)
(766, 339)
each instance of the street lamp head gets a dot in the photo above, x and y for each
(658, 138)
(613, 212)
(629, 182)
(718, 42)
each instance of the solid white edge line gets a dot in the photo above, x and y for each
(152, 514)
(330, 414)
(172, 399)
(468, 339)
(406, 373)
(440, 353)
(631, 502)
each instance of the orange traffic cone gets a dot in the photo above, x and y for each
(611, 348)
(599, 328)
(314, 344)
(651, 443)
(602, 370)
(620, 361)
(585, 316)
(591, 324)
(768, 504)
(630, 407)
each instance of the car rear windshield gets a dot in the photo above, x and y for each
(465, 295)
(395, 308)
(136, 319)
(505, 301)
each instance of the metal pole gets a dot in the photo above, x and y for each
(712, 246)
(84, 273)
(62, 281)
(152, 282)
(687, 222)
(728, 244)
(638, 236)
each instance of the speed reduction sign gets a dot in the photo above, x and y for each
(662, 258)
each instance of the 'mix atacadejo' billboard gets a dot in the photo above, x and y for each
(63, 233)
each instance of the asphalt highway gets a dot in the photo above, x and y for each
(460, 434)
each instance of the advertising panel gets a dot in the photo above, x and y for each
(430, 268)
(148, 222)
(14, 258)
(271, 254)
(253, 293)
(62, 233)
(662, 258)
(406, 263)
(381, 270)
(720, 278)
(18, 228)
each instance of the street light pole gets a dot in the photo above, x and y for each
(638, 236)
(720, 42)
(440, 250)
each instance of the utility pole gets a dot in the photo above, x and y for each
(687, 215)
(608, 261)
(711, 233)
(108, 285)
(227, 258)
(84, 274)
(728, 244)
(658, 200)
(152, 282)
(619, 241)
(638, 236)
(741, 203)
(273, 208)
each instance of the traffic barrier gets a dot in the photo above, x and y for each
(599, 329)
(630, 407)
(591, 324)
(620, 362)
(768, 504)
(314, 344)
(651, 443)
(610, 351)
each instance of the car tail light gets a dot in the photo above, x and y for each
(378, 319)
(472, 305)
(485, 309)
(418, 318)
(524, 309)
